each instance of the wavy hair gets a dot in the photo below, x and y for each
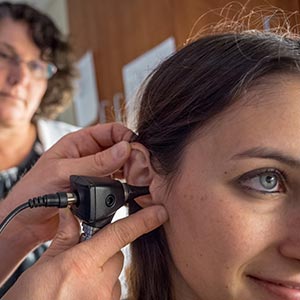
(54, 48)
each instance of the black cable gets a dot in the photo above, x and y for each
(96, 198)
(59, 200)
(12, 215)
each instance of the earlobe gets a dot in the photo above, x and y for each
(138, 171)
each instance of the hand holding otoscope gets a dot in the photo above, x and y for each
(70, 270)
(92, 276)
(94, 200)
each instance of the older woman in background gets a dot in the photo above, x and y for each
(36, 74)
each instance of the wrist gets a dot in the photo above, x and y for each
(35, 226)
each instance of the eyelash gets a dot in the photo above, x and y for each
(255, 178)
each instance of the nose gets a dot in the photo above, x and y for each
(290, 245)
(18, 74)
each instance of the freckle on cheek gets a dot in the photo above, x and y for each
(202, 198)
(188, 197)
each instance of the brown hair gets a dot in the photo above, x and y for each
(185, 93)
(54, 48)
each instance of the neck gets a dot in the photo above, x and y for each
(15, 144)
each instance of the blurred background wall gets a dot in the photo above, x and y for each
(114, 39)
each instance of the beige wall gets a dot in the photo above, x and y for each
(57, 9)
(117, 31)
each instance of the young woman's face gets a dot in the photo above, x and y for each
(234, 211)
(20, 92)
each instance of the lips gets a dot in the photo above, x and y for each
(283, 290)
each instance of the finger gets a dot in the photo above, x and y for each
(116, 293)
(115, 236)
(67, 236)
(93, 139)
(113, 267)
(119, 174)
(100, 164)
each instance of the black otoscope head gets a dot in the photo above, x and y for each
(100, 197)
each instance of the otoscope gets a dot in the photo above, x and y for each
(94, 200)
(98, 200)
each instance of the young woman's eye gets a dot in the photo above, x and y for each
(264, 181)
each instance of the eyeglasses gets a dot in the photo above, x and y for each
(38, 69)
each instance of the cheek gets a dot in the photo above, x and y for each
(211, 237)
(37, 92)
(206, 219)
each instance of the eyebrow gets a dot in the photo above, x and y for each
(9, 47)
(268, 153)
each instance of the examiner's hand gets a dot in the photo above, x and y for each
(88, 270)
(95, 151)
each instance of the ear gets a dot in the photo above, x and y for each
(138, 171)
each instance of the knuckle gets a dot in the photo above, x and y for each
(100, 162)
(66, 239)
(118, 131)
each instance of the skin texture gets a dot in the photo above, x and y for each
(231, 236)
(20, 93)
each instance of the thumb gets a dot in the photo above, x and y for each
(67, 236)
(101, 163)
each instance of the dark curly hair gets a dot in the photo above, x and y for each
(54, 48)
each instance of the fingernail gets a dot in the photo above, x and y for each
(162, 215)
(119, 150)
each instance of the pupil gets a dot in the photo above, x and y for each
(268, 181)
